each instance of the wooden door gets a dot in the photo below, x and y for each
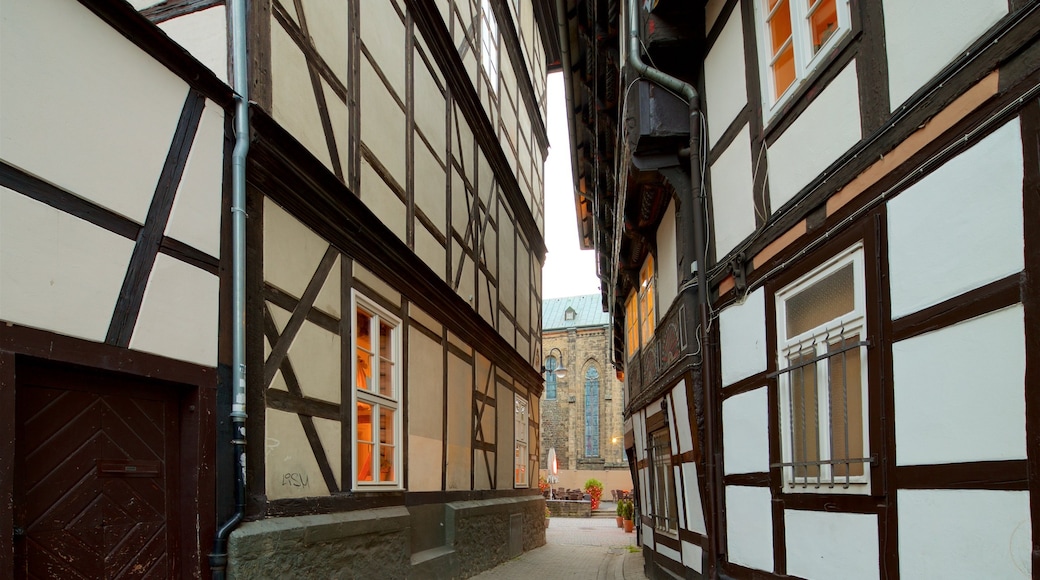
(96, 472)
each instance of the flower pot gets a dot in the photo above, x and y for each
(619, 521)
(629, 525)
(547, 522)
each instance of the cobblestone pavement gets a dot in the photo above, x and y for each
(579, 548)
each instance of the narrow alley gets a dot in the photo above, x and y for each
(579, 548)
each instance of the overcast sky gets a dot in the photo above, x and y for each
(569, 271)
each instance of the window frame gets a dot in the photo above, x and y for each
(490, 62)
(642, 302)
(377, 313)
(805, 62)
(588, 410)
(551, 382)
(521, 446)
(666, 497)
(853, 323)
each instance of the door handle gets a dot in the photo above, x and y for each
(19, 532)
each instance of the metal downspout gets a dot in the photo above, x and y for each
(240, 85)
(694, 197)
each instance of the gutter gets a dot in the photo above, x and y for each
(240, 85)
(697, 266)
(563, 30)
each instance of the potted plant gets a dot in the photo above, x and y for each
(547, 514)
(594, 488)
(628, 512)
(618, 511)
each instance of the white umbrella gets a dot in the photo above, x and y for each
(553, 467)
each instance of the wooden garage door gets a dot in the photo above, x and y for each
(95, 461)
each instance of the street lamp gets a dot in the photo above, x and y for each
(560, 371)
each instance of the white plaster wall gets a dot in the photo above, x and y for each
(964, 534)
(385, 290)
(205, 35)
(329, 298)
(832, 545)
(673, 555)
(820, 135)
(460, 415)
(69, 80)
(315, 358)
(742, 337)
(749, 528)
(179, 313)
(327, 22)
(291, 469)
(693, 556)
(425, 422)
(58, 272)
(430, 185)
(293, 103)
(745, 432)
(680, 506)
(667, 254)
(960, 227)
(692, 499)
(292, 252)
(383, 34)
(732, 199)
(195, 216)
(935, 32)
(725, 85)
(951, 408)
(682, 421)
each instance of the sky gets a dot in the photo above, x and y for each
(569, 270)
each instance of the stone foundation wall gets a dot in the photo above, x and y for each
(569, 508)
(480, 530)
(363, 544)
(380, 543)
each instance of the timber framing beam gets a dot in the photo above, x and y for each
(283, 169)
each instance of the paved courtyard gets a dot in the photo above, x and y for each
(580, 548)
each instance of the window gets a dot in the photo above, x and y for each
(665, 511)
(377, 396)
(570, 314)
(550, 377)
(639, 311)
(489, 43)
(520, 440)
(592, 412)
(797, 34)
(821, 331)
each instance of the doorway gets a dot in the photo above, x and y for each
(96, 474)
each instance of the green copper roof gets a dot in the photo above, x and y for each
(587, 311)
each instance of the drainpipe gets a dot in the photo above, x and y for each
(693, 197)
(240, 85)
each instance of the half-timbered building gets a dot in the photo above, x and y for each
(383, 416)
(816, 224)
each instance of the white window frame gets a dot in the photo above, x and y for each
(521, 450)
(805, 62)
(665, 495)
(359, 301)
(489, 41)
(818, 338)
